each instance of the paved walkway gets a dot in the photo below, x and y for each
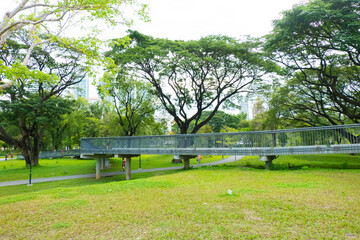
(107, 174)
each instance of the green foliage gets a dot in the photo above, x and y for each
(220, 121)
(33, 102)
(198, 75)
(132, 100)
(318, 43)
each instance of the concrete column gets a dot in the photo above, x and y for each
(128, 168)
(186, 163)
(102, 163)
(268, 161)
(98, 168)
(268, 165)
(107, 162)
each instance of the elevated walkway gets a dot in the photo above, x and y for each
(266, 144)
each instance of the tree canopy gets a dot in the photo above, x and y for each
(34, 101)
(319, 44)
(132, 99)
(194, 76)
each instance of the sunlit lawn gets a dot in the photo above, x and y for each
(193, 204)
(15, 169)
(332, 161)
(305, 197)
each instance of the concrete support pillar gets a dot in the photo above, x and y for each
(98, 168)
(102, 163)
(268, 165)
(186, 163)
(268, 161)
(128, 168)
(107, 162)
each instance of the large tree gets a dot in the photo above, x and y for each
(33, 101)
(319, 45)
(195, 76)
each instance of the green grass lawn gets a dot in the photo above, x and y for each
(332, 161)
(305, 197)
(15, 169)
(193, 204)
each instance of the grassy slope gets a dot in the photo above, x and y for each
(194, 204)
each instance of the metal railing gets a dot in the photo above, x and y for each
(312, 140)
(57, 154)
(60, 154)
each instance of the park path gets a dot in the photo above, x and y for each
(108, 174)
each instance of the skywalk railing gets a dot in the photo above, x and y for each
(60, 154)
(312, 140)
(56, 154)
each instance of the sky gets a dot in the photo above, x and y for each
(193, 19)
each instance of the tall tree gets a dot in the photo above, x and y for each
(34, 101)
(195, 76)
(57, 127)
(319, 44)
(132, 100)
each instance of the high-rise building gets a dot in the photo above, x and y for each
(258, 107)
(81, 89)
(246, 108)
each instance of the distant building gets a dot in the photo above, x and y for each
(246, 108)
(93, 100)
(159, 118)
(81, 89)
(258, 107)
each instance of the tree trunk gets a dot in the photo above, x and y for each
(31, 154)
(31, 147)
(181, 143)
